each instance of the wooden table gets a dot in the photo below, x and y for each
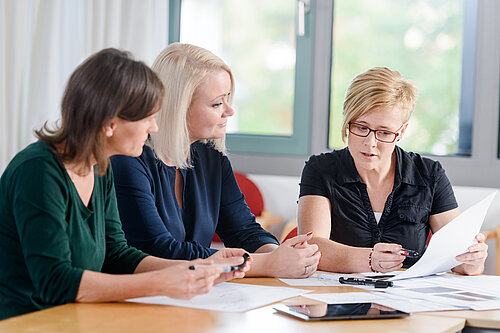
(482, 319)
(133, 317)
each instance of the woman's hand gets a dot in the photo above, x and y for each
(178, 281)
(473, 261)
(295, 258)
(386, 257)
(233, 257)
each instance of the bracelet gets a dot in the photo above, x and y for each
(370, 261)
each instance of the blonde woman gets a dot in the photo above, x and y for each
(60, 236)
(366, 202)
(181, 190)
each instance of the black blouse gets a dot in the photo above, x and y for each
(421, 189)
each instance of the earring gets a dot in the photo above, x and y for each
(109, 133)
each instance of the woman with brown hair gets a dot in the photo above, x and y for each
(60, 233)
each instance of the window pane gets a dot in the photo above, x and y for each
(256, 38)
(422, 39)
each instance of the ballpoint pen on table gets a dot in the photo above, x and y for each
(367, 282)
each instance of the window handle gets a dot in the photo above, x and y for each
(303, 7)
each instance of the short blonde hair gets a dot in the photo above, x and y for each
(378, 87)
(182, 68)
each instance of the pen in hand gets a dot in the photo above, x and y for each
(225, 267)
(409, 253)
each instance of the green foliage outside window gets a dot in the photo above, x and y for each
(256, 38)
(422, 39)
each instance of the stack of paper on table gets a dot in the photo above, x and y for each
(230, 297)
(427, 292)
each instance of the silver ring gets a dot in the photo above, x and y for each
(306, 271)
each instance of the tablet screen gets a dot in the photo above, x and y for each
(340, 311)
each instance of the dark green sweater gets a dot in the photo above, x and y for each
(48, 237)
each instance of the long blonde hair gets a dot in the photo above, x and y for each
(378, 87)
(182, 68)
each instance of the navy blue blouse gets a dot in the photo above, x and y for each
(212, 203)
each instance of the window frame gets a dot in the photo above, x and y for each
(479, 111)
(298, 143)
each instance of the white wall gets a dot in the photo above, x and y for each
(281, 193)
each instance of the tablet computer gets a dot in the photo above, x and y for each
(314, 312)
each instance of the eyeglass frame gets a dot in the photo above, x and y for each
(396, 134)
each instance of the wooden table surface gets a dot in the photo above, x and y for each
(134, 317)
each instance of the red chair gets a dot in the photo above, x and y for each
(291, 234)
(253, 197)
(255, 201)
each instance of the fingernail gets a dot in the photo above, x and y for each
(309, 233)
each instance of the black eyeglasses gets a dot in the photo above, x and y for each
(381, 135)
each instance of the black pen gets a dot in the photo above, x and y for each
(226, 268)
(409, 253)
(366, 282)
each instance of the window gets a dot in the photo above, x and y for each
(463, 120)
(257, 39)
(420, 39)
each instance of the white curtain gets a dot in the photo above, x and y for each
(41, 43)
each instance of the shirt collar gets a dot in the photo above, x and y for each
(347, 173)
(406, 171)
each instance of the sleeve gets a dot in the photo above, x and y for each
(237, 226)
(444, 198)
(312, 182)
(40, 198)
(120, 258)
(143, 225)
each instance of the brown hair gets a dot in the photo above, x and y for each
(106, 85)
(378, 87)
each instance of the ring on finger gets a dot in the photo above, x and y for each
(306, 270)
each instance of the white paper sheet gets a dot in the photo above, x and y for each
(230, 297)
(314, 280)
(389, 300)
(469, 292)
(326, 279)
(338, 298)
(416, 305)
(451, 240)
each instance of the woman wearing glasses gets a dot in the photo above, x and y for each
(366, 202)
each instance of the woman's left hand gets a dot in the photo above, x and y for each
(473, 261)
(295, 258)
(232, 257)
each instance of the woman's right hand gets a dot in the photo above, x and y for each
(178, 281)
(231, 256)
(386, 257)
